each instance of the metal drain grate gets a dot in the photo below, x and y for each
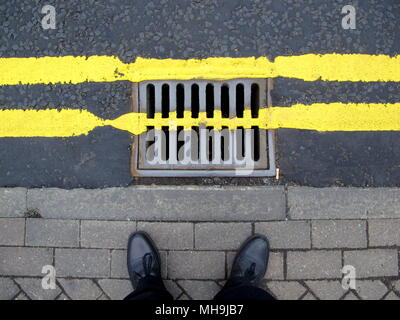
(202, 150)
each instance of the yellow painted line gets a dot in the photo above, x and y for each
(319, 117)
(337, 117)
(66, 69)
(47, 123)
(309, 67)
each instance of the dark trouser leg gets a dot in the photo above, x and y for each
(151, 289)
(237, 289)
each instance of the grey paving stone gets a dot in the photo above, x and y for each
(12, 231)
(350, 296)
(106, 234)
(370, 289)
(373, 262)
(183, 297)
(309, 296)
(396, 285)
(275, 265)
(391, 296)
(311, 265)
(116, 289)
(286, 290)
(339, 234)
(21, 296)
(195, 265)
(8, 289)
(33, 288)
(103, 297)
(52, 233)
(22, 261)
(173, 288)
(169, 235)
(200, 290)
(196, 203)
(384, 232)
(62, 296)
(221, 236)
(81, 289)
(12, 202)
(286, 234)
(119, 264)
(88, 263)
(327, 289)
(339, 203)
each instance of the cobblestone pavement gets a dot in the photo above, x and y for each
(313, 234)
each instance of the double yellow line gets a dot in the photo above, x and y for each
(309, 67)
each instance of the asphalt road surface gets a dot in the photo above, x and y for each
(197, 29)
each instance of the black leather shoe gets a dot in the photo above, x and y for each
(143, 258)
(251, 261)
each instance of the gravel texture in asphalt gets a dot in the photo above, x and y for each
(197, 29)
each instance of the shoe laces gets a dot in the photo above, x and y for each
(147, 263)
(250, 273)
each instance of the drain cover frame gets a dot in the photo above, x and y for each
(264, 167)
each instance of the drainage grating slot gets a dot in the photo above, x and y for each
(202, 150)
